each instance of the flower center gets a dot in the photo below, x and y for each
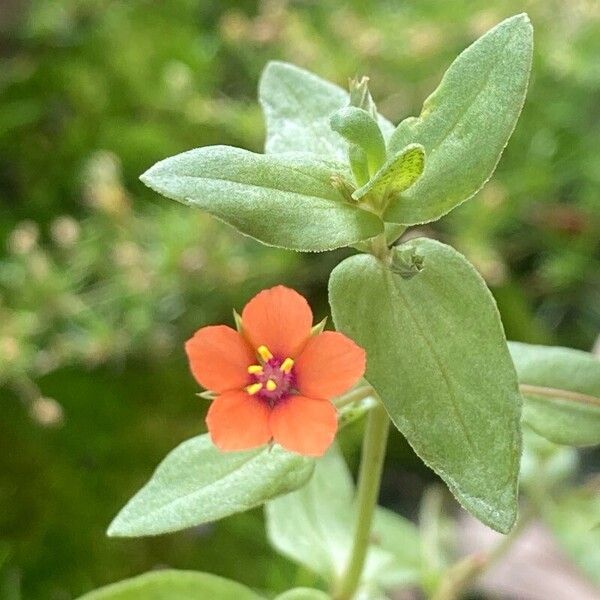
(273, 379)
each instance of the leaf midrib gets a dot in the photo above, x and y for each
(227, 474)
(559, 393)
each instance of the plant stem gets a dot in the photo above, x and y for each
(430, 517)
(369, 480)
(463, 573)
(359, 393)
(379, 247)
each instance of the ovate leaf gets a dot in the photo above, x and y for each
(196, 483)
(437, 356)
(561, 387)
(297, 105)
(286, 201)
(174, 585)
(466, 123)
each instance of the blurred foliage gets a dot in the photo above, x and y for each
(96, 272)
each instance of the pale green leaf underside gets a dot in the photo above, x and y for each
(286, 200)
(318, 534)
(196, 483)
(561, 387)
(171, 585)
(396, 175)
(466, 123)
(313, 526)
(437, 356)
(297, 106)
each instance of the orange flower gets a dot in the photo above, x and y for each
(273, 380)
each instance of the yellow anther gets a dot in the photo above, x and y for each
(254, 388)
(271, 385)
(286, 365)
(255, 369)
(264, 353)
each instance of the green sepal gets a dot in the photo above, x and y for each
(319, 327)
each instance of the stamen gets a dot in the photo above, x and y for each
(271, 385)
(286, 365)
(264, 353)
(254, 388)
(255, 369)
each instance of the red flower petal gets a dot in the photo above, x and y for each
(219, 357)
(304, 425)
(278, 318)
(329, 365)
(237, 421)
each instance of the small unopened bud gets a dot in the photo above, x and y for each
(407, 263)
(343, 186)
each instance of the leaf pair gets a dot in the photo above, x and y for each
(285, 198)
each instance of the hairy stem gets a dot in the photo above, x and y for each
(369, 480)
(379, 248)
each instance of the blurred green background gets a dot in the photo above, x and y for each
(101, 280)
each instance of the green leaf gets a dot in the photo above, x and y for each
(466, 123)
(400, 537)
(575, 521)
(196, 483)
(545, 464)
(297, 105)
(358, 127)
(396, 175)
(437, 357)
(286, 201)
(561, 387)
(173, 585)
(313, 526)
(303, 594)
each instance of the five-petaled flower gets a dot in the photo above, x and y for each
(273, 379)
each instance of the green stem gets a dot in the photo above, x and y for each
(379, 248)
(355, 395)
(462, 574)
(369, 480)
